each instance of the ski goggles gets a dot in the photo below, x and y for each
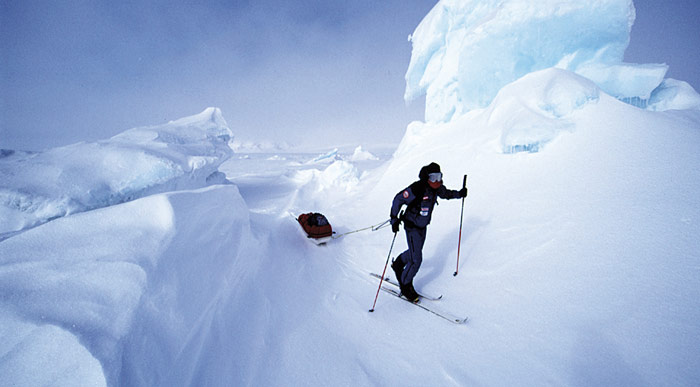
(435, 177)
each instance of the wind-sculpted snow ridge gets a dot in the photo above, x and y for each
(362, 155)
(336, 180)
(464, 52)
(532, 111)
(525, 116)
(182, 154)
(674, 94)
(124, 295)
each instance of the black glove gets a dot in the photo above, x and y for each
(395, 222)
(463, 193)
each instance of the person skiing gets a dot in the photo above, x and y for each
(419, 198)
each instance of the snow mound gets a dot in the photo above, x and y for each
(674, 95)
(625, 81)
(533, 110)
(362, 155)
(464, 52)
(340, 175)
(525, 116)
(182, 154)
(321, 189)
(99, 295)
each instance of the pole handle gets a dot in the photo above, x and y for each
(464, 182)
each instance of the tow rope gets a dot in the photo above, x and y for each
(375, 227)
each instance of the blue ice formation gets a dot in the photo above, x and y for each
(329, 156)
(465, 51)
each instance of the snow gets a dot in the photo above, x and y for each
(579, 264)
(360, 154)
(100, 278)
(676, 95)
(625, 80)
(535, 110)
(161, 257)
(38, 187)
(249, 146)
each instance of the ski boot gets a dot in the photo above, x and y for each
(409, 292)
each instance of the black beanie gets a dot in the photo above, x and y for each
(427, 170)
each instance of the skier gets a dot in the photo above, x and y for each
(420, 198)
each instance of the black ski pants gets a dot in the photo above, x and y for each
(413, 257)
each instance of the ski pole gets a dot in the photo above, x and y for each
(385, 265)
(461, 217)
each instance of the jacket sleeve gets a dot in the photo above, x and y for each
(445, 193)
(404, 197)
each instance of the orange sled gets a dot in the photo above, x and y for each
(316, 227)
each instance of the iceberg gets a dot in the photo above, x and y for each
(182, 154)
(328, 157)
(465, 51)
(360, 154)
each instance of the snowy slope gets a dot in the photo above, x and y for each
(95, 279)
(579, 266)
(581, 259)
(132, 261)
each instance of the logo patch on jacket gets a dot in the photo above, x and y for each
(424, 211)
(405, 194)
(426, 197)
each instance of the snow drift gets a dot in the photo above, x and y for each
(579, 260)
(591, 239)
(117, 294)
(582, 251)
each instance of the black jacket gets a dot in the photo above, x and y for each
(420, 199)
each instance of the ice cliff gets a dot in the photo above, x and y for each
(465, 51)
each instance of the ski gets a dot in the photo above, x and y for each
(447, 316)
(392, 282)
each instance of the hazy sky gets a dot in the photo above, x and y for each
(305, 71)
